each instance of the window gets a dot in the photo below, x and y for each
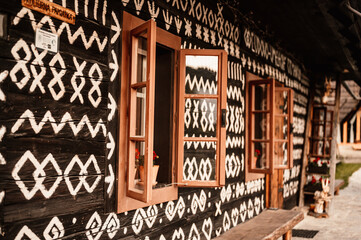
(269, 125)
(162, 88)
(321, 132)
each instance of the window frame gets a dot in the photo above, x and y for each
(326, 124)
(221, 105)
(128, 200)
(158, 195)
(274, 86)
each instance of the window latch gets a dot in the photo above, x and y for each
(224, 114)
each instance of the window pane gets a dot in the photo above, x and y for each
(142, 60)
(140, 112)
(281, 127)
(199, 161)
(281, 102)
(319, 114)
(137, 174)
(328, 147)
(328, 130)
(261, 93)
(201, 74)
(260, 155)
(260, 123)
(317, 147)
(318, 131)
(280, 154)
(200, 117)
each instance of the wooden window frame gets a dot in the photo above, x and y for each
(130, 200)
(326, 124)
(158, 195)
(221, 97)
(253, 172)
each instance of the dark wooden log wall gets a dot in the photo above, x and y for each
(58, 123)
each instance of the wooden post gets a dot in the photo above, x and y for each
(344, 135)
(287, 235)
(334, 142)
(306, 146)
(358, 125)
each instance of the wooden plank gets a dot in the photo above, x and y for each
(269, 225)
(306, 146)
(334, 142)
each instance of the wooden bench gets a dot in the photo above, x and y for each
(269, 225)
(338, 183)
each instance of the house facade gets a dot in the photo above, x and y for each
(228, 123)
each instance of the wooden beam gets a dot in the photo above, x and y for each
(334, 142)
(358, 125)
(306, 146)
(344, 134)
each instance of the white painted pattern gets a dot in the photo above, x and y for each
(82, 174)
(57, 80)
(172, 209)
(93, 227)
(153, 11)
(20, 64)
(26, 232)
(94, 37)
(110, 180)
(57, 127)
(2, 196)
(194, 234)
(111, 225)
(54, 230)
(114, 66)
(3, 76)
(199, 202)
(39, 175)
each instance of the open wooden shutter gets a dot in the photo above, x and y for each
(283, 123)
(202, 116)
(141, 109)
(260, 120)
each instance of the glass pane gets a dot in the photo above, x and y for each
(201, 74)
(281, 127)
(260, 155)
(140, 112)
(319, 114)
(200, 117)
(261, 125)
(261, 95)
(328, 130)
(329, 116)
(280, 154)
(137, 174)
(281, 102)
(318, 130)
(142, 60)
(199, 161)
(317, 147)
(328, 148)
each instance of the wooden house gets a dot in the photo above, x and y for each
(148, 119)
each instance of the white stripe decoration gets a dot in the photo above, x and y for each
(3, 75)
(110, 180)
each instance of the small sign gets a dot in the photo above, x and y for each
(46, 40)
(51, 9)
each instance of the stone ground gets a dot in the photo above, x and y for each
(344, 222)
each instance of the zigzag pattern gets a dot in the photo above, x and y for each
(205, 86)
(57, 127)
(203, 144)
(234, 93)
(234, 142)
(71, 37)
